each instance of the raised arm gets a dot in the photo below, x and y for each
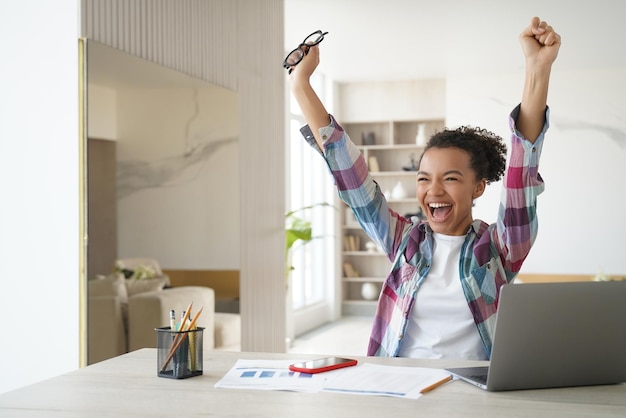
(312, 108)
(540, 44)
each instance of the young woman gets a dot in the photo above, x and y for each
(441, 295)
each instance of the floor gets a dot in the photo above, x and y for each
(347, 336)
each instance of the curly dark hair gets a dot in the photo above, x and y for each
(487, 150)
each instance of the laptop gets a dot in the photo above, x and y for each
(551, 335)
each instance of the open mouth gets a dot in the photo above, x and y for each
(439, 211)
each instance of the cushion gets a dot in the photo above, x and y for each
(141, 268)
(134, 286)
(227, 329)
(112, 285)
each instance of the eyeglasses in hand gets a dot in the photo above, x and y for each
(294, 57)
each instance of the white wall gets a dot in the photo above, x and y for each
(581, 213)
(395, 100)
(178, 188)
(39, 236)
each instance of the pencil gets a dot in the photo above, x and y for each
(183, 320)
(192, 342)
(436, 384)
(182, 335)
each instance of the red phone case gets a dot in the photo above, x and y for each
(330, 363)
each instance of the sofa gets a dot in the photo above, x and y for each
(123, 313)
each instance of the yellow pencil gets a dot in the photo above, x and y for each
(185, 318)
(436, 384)
(192, 343)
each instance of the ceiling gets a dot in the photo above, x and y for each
(376, 40)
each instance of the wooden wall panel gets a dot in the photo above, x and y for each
(236, 44)
(196, 37)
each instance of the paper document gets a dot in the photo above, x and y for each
(374, 379)
(270, 375)
(363, 379)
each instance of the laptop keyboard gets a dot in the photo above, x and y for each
(480, 378)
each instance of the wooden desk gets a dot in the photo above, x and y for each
(127, 386)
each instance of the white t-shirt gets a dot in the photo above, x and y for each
(441, 324)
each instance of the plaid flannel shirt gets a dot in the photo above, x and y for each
(491, 255)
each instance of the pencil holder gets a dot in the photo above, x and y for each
(179, 354)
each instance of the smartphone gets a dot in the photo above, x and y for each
(322, 365)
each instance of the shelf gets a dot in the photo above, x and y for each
(391, 134)
(363, 279)
(393, 173)
(392, 160)
(388, 147)
(406, 200)
(364, 253)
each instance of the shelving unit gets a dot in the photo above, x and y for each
(392, 159)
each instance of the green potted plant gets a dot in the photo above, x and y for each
(298, 230)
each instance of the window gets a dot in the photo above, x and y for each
(309, 184)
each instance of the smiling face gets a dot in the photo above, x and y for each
(446, 189)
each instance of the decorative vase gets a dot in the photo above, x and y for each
(371, 247)
(369, 291)
(420, 137)
(369, 138)
(398, 191)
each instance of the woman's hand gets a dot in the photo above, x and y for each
(305, 68)
(540, 43)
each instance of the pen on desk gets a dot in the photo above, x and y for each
(436, 384)
(185, 316)
(181, 327)
(185, 320)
